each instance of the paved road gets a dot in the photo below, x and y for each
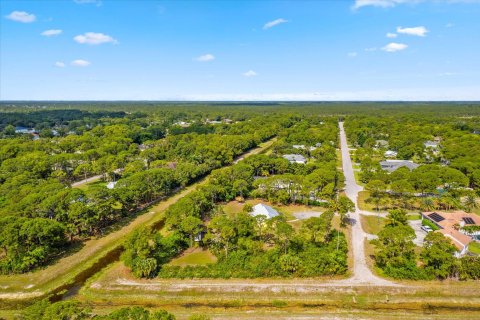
(361, 272)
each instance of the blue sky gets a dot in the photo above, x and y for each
(240, 50)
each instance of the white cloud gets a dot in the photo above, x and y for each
(97, 2)
(391, 35)
(80, 63)
(449, 25)
(59, 64)
(52, 32)
(249, 73)
(414, 31)
(205, 58)
(380, 3)
(274, 23)
(392, 3)
(370, 49)
(393, 47)
(94, 38)
(21, 16)
(352, 54)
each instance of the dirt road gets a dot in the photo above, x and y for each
(361, 272)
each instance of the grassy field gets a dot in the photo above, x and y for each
(288, 210)
(196, 256)
(90, 254)
(414, 216)
(372, 224)
(283, 298)
(474, 247)
(362, 204)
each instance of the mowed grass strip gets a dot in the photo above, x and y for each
(194, 257)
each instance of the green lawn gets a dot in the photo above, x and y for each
(362, 204)
(372, 224)
(414, 216)
(474, 247)
(85, 186)
(196, 257)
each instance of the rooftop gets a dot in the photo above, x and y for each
(448, 222)
(298, 158)
(264, 210)
(392, 165)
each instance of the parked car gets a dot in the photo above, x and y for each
(427, 229)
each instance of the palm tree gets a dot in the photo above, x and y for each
(470, 203)
(427, 204)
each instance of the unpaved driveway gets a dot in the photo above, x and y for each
(306, 215)
(419, 233)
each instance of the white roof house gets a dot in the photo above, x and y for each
(298, 146)
(390, 154)
(431, 144)
(264, 210)
(295, 158)
(111, 184)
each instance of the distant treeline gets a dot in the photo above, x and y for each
(51, 118)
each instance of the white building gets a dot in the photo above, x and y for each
(390, 154)
(295, 158)
(264, 210)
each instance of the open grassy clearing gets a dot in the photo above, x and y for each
(287, 210)
(92, 253)
(474, 247)
(281, 297)
(414, 216)
(372, 224)
(194, 257)
(362, 201)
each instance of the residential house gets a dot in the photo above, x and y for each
(392, 165)
(264, 210)
(111, 184)
(431, 145)
(295, 158)
(450, 224)
(390, 154)
(299, 146)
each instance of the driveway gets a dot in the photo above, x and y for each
(306, 214)
(419, 233)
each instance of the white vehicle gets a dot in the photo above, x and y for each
(427, 229)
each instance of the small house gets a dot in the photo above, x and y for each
(295, 158)
(431, 145)
(392, 165)
(264, 210)
(390, 154)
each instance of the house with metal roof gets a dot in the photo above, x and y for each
(295, 158)
(264, 210)
(392, 165)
